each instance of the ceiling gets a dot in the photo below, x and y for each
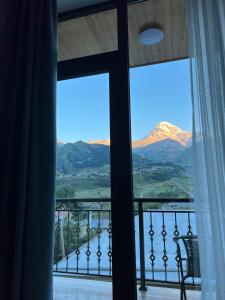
(66, 5)
(96, 33)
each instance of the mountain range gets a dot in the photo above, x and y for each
(165, 143)
(162, 131)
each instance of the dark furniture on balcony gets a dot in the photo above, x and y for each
(192, 260)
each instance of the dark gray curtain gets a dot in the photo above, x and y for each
(27, 149)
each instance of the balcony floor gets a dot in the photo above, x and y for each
(66, 288)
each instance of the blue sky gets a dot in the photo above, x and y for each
(158, 93)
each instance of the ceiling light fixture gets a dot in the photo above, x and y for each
(151, 36)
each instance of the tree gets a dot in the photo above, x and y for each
(65, 192)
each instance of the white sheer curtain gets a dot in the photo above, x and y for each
(207, 52)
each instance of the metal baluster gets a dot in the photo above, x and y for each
(165, 257)
(77, 251)
(62, 247)
(189, 232)
(57, 231)
(110, 244)
(176, 234)
(142, 247)
(99, 231)
(88, 252)
(152, 252)
(67, 240)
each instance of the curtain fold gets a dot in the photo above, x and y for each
(27, 150)
(207, 52)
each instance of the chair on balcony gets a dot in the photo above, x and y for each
(192, 260)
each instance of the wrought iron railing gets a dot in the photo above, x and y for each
(83, 237)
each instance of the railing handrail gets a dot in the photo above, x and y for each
(143, 200)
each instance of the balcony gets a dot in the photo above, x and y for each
(83, 289)
(83, 246)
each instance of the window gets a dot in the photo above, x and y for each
(83, 145)
(161, 114)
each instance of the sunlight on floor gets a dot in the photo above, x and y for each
(66, 288)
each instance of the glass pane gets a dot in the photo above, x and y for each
(161, 114)
(83, 227)
(83, 151)
(161, 130)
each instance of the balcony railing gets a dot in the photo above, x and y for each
(83, 237)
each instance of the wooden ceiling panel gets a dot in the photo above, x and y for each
(97, 33)
(87, 35)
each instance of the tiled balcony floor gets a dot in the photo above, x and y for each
(66, 288)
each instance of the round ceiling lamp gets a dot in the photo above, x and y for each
(151, 36)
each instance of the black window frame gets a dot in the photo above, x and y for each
(116, 63)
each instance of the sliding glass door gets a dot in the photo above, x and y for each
(83, 223)
(93, 48)
(93, 232)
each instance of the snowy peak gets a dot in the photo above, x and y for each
(166, 126)
(162, 131)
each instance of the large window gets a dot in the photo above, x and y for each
(94, 228)
(161, 117)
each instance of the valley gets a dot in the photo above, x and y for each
(162, 166)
